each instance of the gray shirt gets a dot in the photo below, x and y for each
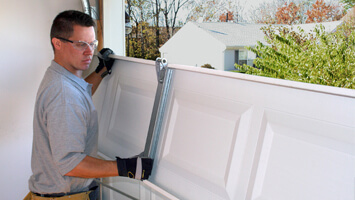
(65, 130)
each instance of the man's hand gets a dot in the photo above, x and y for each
(135, 167)
(105, 61)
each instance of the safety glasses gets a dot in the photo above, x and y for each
(81, 45)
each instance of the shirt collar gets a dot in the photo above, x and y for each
(80, 81)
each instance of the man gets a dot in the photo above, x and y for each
(65, 124)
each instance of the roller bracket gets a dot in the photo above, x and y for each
(161, 65)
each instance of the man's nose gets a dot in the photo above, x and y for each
(89, 50)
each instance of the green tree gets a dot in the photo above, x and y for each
(139, 13)
(318, 57)
(170, 10)
(142, 45)
(348, 3)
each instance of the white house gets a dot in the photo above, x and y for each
(219, 44)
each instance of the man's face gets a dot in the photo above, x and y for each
(73, 59)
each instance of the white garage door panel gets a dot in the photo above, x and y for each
(203, 120)
(304, 159)
(230, 136)
(204, 138)
(226, 138)
(127, 110)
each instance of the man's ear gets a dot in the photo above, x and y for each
(57, 44)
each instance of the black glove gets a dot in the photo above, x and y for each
(105, 61)
(135, 167)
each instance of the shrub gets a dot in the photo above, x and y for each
(318, 57)
(207, 66)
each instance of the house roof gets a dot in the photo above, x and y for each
(243, 34)
(234, 34)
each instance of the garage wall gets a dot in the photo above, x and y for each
(25, 55)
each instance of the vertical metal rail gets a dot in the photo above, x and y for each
(164, 76)
(161, 113)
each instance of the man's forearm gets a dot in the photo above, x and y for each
(91, 167)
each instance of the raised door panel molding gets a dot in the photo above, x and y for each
(126, 113)
(303, 158)
(203, 140)
(125, 102)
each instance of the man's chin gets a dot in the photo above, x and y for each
(85, 67)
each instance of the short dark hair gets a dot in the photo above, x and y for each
(64, 22)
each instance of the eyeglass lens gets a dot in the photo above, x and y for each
(80, 45)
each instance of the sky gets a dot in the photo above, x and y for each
(249, 5)
(254, 3)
